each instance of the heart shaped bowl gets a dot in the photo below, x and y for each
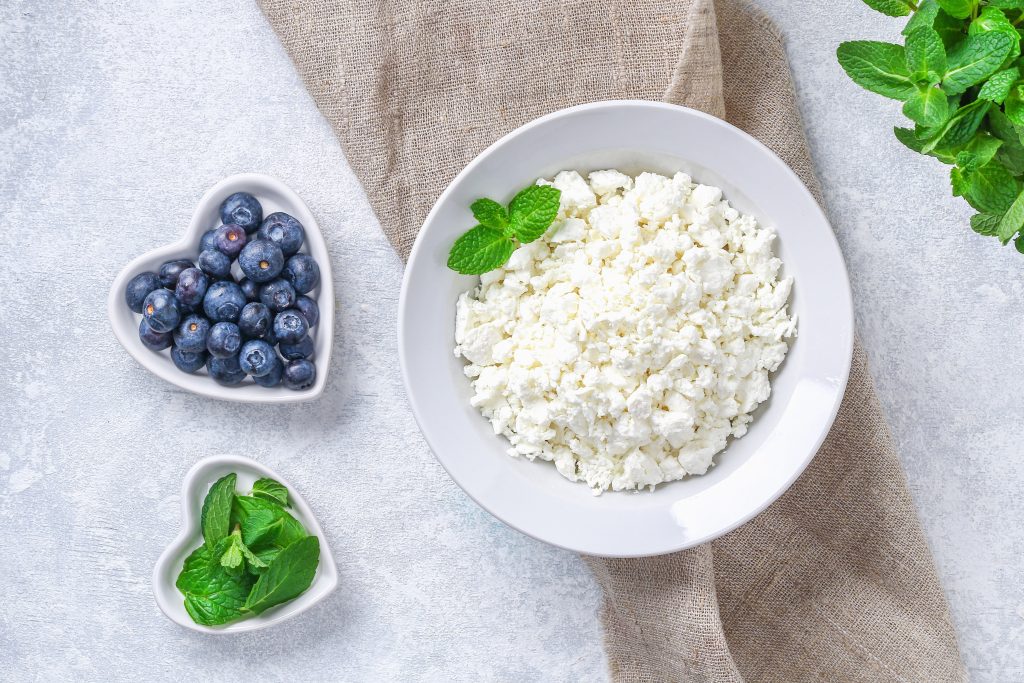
(274, 196)
(193, 491)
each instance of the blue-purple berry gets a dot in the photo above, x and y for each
(299, 375)
(301, 349)
(191, 287)
(273, 377)
(290, 326)
(309, 310)
(225, 371)
(224, 340)
(161, 310)
(261, 261)
(208, 240)
(170, 270)
(190, 334)
(230, 239)
(303, 272)
(187, 361)
(223, 302)
(255, 321)
(257, 357)
(215, 263)
(283, 230)
(153, 340)
(242, 209)
(278, 295)
(250, 289)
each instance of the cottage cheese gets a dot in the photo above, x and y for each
(632, 340)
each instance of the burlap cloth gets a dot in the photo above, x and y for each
(834, 582)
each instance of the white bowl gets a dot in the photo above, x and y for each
(274, 196)
(751, 472)
(193, 491)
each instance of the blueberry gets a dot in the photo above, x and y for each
(261, 261)
(250, 289)
(139, 288)
(278, 295)
(299, 374)
(215, 263)
(190, 335)
(170, 270)
(255, 320)
(272, 378)
(309, 310)
(230, 239)
(207, 241)
(224, 340)
(161, 310)
(300, 349)
(290, 327)
(303, 272)
(153, 340)
(191, 287)
(257, 357)
(243, 210)
(284, 231)
(225, 370)
(223, 301)
(188, 361)
(270, 337)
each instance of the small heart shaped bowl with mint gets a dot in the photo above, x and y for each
(229, 572)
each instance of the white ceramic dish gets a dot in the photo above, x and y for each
(751, 472)
(193, 491)
(274, 196)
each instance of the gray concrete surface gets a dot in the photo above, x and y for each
(116, 115)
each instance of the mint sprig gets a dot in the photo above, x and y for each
(490, 244)
(960, 76)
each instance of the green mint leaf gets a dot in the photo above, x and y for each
(958, 9)
(985, 224)
(1012, 220)
(958, 181)
(894, 8)
(271, 490)
(232, 557)
(1018, 243)
(974, 59)
(212, 595)
(489, 214)
(215, 518)
(1007, 4)
(991, 188)
(1011, 152)
(254, 561)
(878, 67)
(1014, 104)
(997, 87)
(908, 138)
(287, 577)
(960, 127)
(982, 148)
(532, 211)
(923, 17)
(925, 51)
(927, 107)
(265, 523)
(480, 250)
(951, 30)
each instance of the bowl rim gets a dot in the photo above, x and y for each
(255, 183)
(326, 579)
(846, 303)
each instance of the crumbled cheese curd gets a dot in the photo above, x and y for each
(632, 340)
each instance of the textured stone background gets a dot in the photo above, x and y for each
(117, 115)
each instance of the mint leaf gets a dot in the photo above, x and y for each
(271, 490)
(960, 127)
(216, 515)
(1018, 243)
(878, 67)
(894, 8)
(985, 224)
(974, 59)
(991, 189)
(265, 523)
(1007, 4)
(212, 595)
(479, 250)
(997, 87)
(287, 577)
(1012, 220)
(959, 9)
(979, 151)
(993, 19)
(532, 211)
(1014, 105)
(927, 106)
(232, 557)
(910, 139)
(489, 214)
(925, 52)
(923, 17)
(1011, 152)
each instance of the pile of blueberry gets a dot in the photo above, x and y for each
(208, 318)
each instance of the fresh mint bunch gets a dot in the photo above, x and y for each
(960, 77)
(254, 554)
(490, 244)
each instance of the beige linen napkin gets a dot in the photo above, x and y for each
(834, 582)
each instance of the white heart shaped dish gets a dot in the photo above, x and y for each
(194, 489)
(274, 196)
